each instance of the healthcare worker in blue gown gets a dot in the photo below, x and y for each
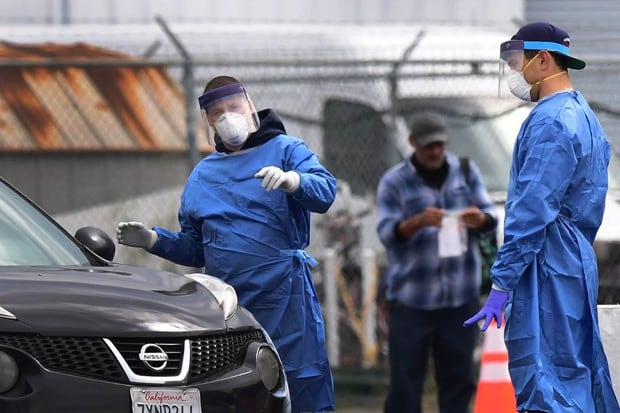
(245, 216)
(546, 270)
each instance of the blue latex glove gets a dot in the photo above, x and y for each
(492, 309)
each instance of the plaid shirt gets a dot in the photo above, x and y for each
(416, 276)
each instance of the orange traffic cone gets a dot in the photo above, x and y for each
(495, 393)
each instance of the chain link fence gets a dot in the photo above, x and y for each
(353, 113)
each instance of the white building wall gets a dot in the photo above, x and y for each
(477, 12)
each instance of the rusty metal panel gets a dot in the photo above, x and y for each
(108, 131)
(151, 108)
(87, 107)
(28, 109)
(13, 136)
(74, 132)
(166, 95)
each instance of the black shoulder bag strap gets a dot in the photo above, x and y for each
(465, 169)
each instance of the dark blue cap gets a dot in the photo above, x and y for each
(546, 36)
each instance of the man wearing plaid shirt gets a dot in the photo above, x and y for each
(431, 289)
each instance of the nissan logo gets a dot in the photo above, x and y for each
(153, 357)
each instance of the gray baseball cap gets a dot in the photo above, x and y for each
(427, 128)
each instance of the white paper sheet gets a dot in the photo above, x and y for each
(452, 236)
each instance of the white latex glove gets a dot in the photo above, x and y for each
(135, 234)
(274, 178)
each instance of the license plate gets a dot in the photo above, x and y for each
(164, 400)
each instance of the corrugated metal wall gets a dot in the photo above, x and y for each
(73, 135)
(595, 36)
(108, 106)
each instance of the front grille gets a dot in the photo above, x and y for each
(81, 356)
(90, 357)
(215, 354)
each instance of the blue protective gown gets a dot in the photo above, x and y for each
(556, 198)
(254, 240)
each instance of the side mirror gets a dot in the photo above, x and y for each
(97, 240)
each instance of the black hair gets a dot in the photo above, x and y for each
(559, 59)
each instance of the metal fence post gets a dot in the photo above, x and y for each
(188, 92)
(331, 308)
(369, 288)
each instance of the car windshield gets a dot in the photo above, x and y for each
(28, 237)
(488, 139)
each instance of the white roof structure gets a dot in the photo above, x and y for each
(270, 41)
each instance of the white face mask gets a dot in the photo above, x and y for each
(232, 128)
(518, 85)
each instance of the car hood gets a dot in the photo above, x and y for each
(114, 300)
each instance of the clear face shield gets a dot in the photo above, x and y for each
(229, 113)
(511, 82)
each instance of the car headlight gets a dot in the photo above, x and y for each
(268, 367)
(9, 372)
(224, 293)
